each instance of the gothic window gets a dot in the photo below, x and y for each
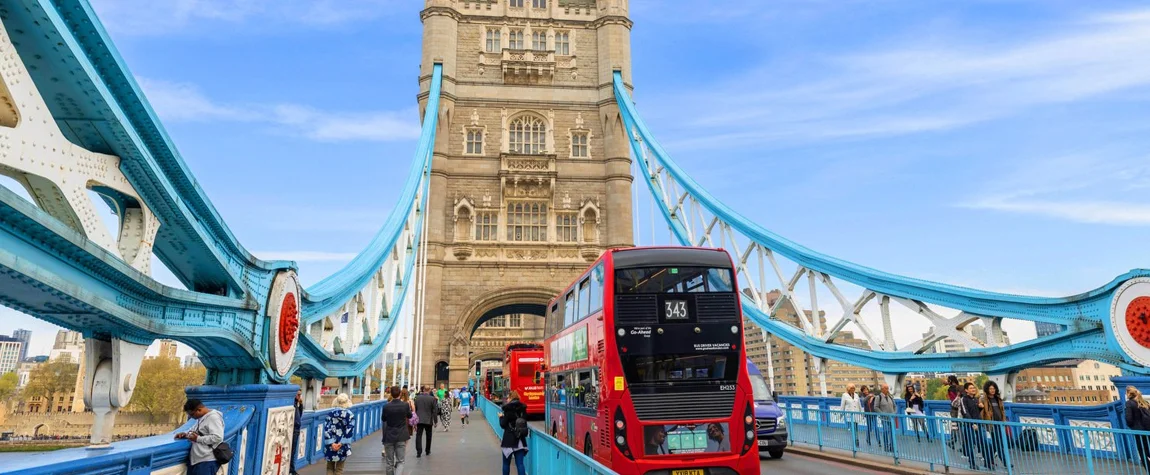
(516, 3)
(528, 135)
(539, 41)
(579, 148)
(538, 3)
(590, 225)
(515, 321)
(527, 221)
(563, 43)
(566, 227)
(463, 222)
(474, 145)
(486, 226)
(493, 41)
(515, 39)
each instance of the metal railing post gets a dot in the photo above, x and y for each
(1089, 451)
(893, 439)
(819, 429)
(1009, 461)
(854, 429)
(942, 438)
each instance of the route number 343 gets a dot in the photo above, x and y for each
(676, 310)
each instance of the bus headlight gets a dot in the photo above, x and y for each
(749, 427)
(735, 329)
(621, 434)
(750, 434)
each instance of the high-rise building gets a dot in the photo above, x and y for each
(167, 349)
(25, 337)
(192, 361)
(9, 353)
(69, 345)
(1044, 329)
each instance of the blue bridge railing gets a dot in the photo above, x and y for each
(1037, 439)
(546, 454)
(152, 454)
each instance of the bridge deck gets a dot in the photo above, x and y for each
(467, 449)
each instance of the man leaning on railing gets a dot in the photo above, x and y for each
(205, 436)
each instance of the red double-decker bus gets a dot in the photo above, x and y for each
(646, 370)
(523, 372)
(493, 385)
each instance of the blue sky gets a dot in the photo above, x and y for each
(999, 144)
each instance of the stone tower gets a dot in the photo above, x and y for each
(531, 177)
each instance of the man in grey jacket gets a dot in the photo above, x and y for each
(204, 436)
(884, 404)
(427, 409)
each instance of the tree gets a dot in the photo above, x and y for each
(935, 390)
(159, 390)
(52, 378)
(8, 383)
(980, 381)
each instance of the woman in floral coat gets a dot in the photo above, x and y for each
(338, 430)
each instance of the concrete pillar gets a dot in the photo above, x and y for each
(1005, 382)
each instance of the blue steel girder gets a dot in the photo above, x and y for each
(51, 268)
(99, 106)
(1095, 322)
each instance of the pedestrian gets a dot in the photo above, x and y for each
(915, 408)
(295, 431)
(1138, 418)
(868, 407)
(884, 404)
(969, 413)
(464, 405)
(953, 391)
(993, 409)
(850, 404)
(444, 407)
(205, 436)
(426, 410)
(338, 429)
(513, 420)
(396, 414)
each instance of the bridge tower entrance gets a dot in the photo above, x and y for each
(531, 175)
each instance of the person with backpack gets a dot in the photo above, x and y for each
(884, 404)
(513, 420)
(338, 429)
(1138, 418)
(205, 436)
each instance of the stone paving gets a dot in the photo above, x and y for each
(465, 450)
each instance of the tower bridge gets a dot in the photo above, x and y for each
(522, 175)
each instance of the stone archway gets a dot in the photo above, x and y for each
(40, 428)
(514, 300)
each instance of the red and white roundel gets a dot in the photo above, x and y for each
(284, 312)
(1130, 318)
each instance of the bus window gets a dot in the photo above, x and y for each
(584, 299)
(569, 310)
(584, 392)
(670, 280)
(596, 289)
(553, 318)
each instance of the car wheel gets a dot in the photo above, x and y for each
(776, 453)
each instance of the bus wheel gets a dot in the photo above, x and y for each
(587, 449)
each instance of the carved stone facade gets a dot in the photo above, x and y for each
(531, 177)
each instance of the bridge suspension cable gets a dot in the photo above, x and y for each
(1093, 323)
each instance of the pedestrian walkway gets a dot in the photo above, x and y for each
(465, 450)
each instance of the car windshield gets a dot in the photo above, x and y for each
(760, 389)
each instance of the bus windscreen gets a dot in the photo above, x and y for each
(673, 368)
(672, 280)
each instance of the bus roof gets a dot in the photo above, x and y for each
(676, 256)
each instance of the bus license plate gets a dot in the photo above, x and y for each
(686, 472)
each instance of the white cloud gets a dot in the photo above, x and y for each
(305, 256)
(149, 17)
(1101, 212)
(931, 86)
(184, 102)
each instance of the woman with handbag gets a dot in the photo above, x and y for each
(338, 430)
